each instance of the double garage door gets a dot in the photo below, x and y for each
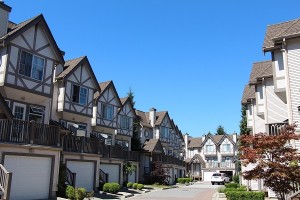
(85, 173)
(31, 176)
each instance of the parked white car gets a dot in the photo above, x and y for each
(219, 178)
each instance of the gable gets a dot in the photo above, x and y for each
(110, 96)
(209, 142)
(226, 141)
(127, 110)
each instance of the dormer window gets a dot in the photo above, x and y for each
(31, 66)
(79, 95)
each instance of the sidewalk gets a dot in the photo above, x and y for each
(221, 196)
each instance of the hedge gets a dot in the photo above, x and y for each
(111, 187)
(129, 184)
(231, 185)
(134, 186)
(80, 193)
(184, 180)
(140, 186)
(244, 195)
(224, 190)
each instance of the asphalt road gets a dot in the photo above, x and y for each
(197, 191)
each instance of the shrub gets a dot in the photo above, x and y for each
(80, 193)
(184, 180)
(114, 188)
(231, 185)
(106, 187)
(129, 184)
(236, 178)
(140, 186)
(70, 192)
(244, 195)
(134, 186)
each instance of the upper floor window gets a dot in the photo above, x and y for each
(125, 122)
(226, 147)
(209, 148)
(36, 114)
(107, 111)
(79, 95)
(122, 143)
(164, 132)
(31, 66)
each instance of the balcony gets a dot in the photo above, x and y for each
(222, 165)
(165, 159)
(227, 151)
(276, 128)
(24, 132)
(210, 152)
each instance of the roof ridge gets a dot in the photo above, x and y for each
(81, 57)
(280, 23)
(293, 23)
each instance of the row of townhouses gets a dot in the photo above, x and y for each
(272, 97)
(210, 154)
(54, 111)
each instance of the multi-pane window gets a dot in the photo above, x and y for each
(122, 143)
(225, 147)
(209, 148)
(19, 112)
(31, 66)
(36, 114)
(79, 95)
(125, 122)
(107, 111)
(164, 132)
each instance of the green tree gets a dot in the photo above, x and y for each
(130, 95)
(220, 130)
(243, 123)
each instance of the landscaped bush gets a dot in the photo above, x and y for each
(80, 193)
(231, 185)
(236, 178)
(129, 184)
(134, 186)
(184, 180)
(111, 187)
(224, 190)
(140, 186)
(244, 195)
(114, 188)
(70, 192)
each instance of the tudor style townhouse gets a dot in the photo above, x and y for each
(161, 141)
(272, 97)
(209, 154)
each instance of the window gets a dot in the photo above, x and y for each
(125, 122)
(107, 138)
(79, 95)
(107, 111)
(146, 133)
(36, 114)
(209, 148)
(164, 132)
(122, 143)
(31, 66)
(19, 111)
(226, 147)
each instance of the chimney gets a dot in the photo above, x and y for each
(4, 12)
(186, 141)
(234, 137)
(152, 116)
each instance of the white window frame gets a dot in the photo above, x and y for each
(32, 67)
(227, 149)
(37, 113)
(209, 150)
(20, 105)
(80, 95)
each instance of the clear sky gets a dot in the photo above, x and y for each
(189, 57)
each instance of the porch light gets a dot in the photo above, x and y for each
(116, 132)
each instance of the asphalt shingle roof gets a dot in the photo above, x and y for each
(151, 145)
(194, 142)
(249, 93)
(69, 66)
(277, 31)
(144, 120)
(261, 70)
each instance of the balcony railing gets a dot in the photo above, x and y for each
(210, 152)
(5, 182)
(276, 128)
(24, 132)
(227, 151)
(108, 151)
(165, 159)
(223, 165)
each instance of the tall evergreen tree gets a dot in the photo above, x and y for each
(130, 95)
(220, 130)
(243, 123)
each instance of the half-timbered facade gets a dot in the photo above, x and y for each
(73, 98)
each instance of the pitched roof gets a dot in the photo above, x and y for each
(15, 29)
(69, 67)
(248, 94)
(196, 159)
(279, 31)
(123, 100)
(261, 70)
(144, 120)
(160, 116)
(153, 145)
(194, 142)
(218, 138)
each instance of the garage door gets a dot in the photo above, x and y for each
(84, 173)
(30, 176)
(207, 176)
(113, 172)
(132, 177)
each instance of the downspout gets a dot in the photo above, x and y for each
(253, 119)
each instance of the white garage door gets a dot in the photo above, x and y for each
(113, 172)
(84, 174)
(207, 176)
(132, 177)
(30, 176)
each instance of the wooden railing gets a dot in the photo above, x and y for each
(165, 159)
(276, 128)
(70, 177)
(103, 176)
(219, 165)
(24, 132)
(79, 144)
(5, 182)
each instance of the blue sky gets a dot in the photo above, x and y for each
(189, 57)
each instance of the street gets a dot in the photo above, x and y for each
(199, 191)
